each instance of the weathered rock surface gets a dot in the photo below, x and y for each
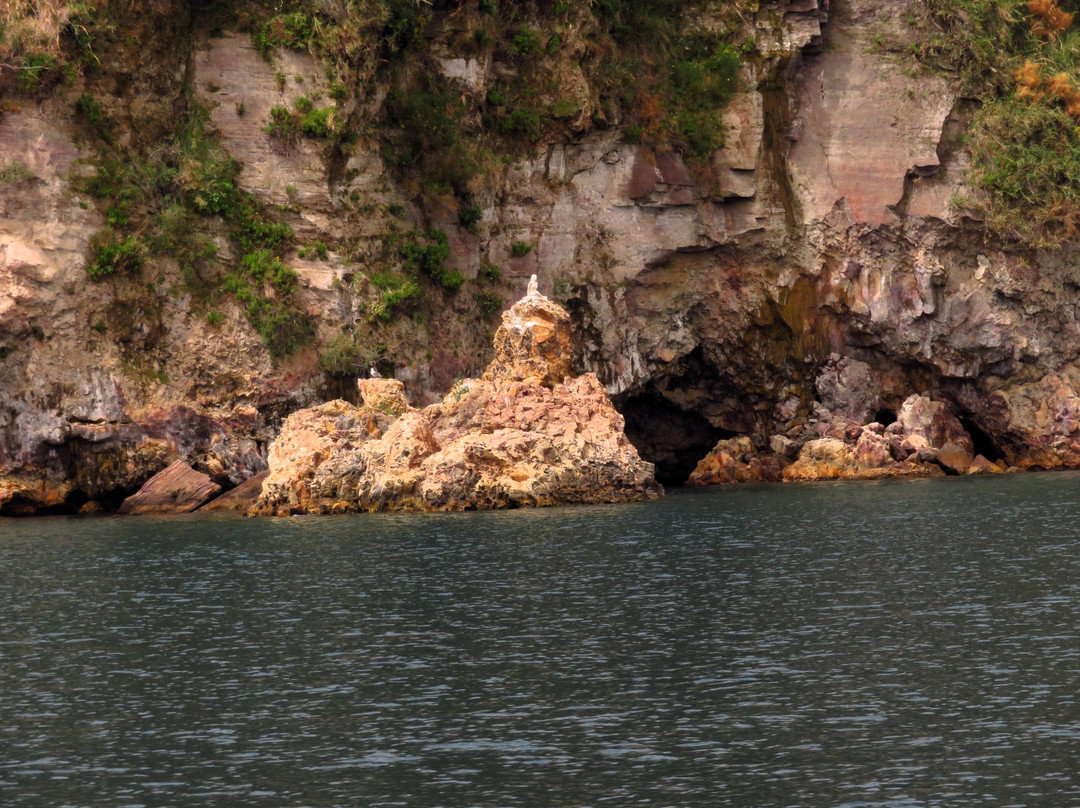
(925, 440)
(239, 499)
(176, 489)
(29, 491)
(523, 434)
(833, 459)
(735, 461)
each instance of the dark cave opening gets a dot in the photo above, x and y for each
(341, 385)
(669, 437)
(983, 444)
(20, 506)
(885, 416)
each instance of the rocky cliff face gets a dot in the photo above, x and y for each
(716, 301)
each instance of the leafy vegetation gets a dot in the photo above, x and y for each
(489, 304)
(646, 66)
(427, 255)
(164, 203)
(113, 253)
(305, 119)
(15, 172)
(395, 293)
(345, 355)
(667, 87)
(1023, 61)
(527, 42)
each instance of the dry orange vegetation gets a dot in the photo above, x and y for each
(1052, 18)
(31, 25)
(1032, 84)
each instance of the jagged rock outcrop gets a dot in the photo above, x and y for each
(523, 434)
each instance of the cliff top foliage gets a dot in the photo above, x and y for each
(566, 66)
(1022, 61)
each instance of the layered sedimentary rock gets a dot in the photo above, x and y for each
(523, 434)
(239, 499)
(176, 489)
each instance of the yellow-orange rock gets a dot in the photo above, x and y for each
(28, 491)
(523, 434)
(533, 343)
(385, 395)
(980, 465)
(735, 460)
(832, 459)
(313, 453)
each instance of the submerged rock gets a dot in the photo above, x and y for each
(525, 433)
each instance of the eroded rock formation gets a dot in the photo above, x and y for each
(525, 433)
(925, 440)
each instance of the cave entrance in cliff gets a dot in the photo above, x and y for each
(673, 439)
(983, 444)
(341, 385)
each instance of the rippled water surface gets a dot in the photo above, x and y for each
(881, 644)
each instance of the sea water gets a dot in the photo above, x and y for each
(902, 643)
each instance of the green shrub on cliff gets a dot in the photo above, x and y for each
(1022, 61)
(283, 328)
(112, 254)
(396, 292)
(427, 254)
(527, 42)
(489, 304)
(263, 267)
(1026, 162)
(168, 202)
(305, 120)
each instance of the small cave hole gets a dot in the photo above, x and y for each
(341, 385)
(885, 417)
(674, 440)
(983, 444)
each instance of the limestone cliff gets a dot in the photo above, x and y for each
(719, 298)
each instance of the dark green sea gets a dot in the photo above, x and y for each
(907, 643)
